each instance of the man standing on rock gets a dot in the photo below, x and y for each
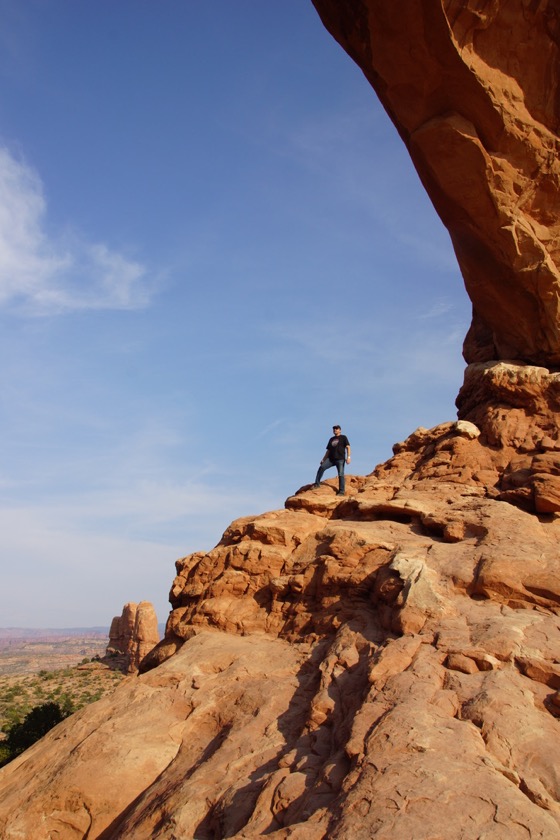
(338, 452)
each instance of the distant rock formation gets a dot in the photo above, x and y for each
(133, 634)
(473, 89)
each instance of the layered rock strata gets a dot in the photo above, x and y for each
(383, 665)
(473, 90)
(133, 634)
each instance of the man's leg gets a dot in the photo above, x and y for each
(324, 465)
(341, 479)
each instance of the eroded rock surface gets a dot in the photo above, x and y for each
(473, 89)
(133, 634)
(383, 665)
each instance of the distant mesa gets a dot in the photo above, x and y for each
(132, 636)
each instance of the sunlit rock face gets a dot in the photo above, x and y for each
(133, 634)
(382, 665)
(473, 89)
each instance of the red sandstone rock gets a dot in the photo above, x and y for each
(473, 89)
(380, 665)
(133, 634)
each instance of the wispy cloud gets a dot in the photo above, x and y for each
(124, 539)
(77, 569)
(370, 354)
(357, 150)
(42, 275)
(438, 308)
(271, 427)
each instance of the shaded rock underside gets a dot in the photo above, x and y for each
(473, 90)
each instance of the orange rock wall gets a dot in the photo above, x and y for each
(473, 89)
(133, 634)
(383, 665)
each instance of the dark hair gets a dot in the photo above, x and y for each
(337, 427)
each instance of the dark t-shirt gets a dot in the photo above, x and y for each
(336, 447)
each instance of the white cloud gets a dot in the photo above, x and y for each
(40, 275)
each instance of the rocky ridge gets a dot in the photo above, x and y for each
(383, 665)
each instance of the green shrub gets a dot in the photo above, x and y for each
(36, 723)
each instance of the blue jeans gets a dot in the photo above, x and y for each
(326, 465)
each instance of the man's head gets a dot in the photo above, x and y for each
(336, 430)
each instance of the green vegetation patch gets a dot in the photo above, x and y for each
(69, 688)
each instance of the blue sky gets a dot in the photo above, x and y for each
(213, 246)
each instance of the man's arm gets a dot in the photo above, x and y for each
(348, 453)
